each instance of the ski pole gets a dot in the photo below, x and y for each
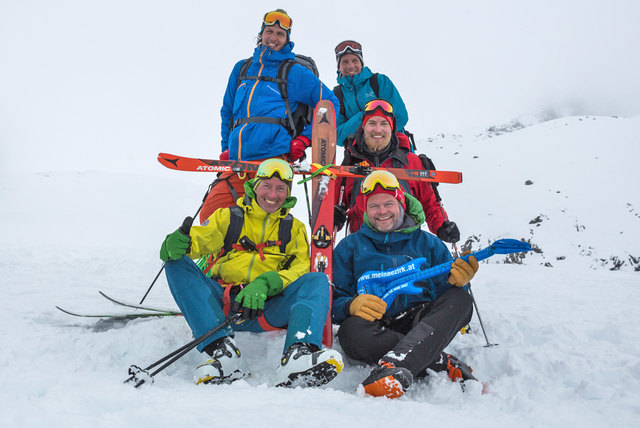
(186, 226)
(475, 305)
(177, 354)
(186, 231)
(473, 299)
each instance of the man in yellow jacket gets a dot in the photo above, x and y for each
(268, 280)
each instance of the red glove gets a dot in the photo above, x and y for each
(224, 155)
(298, 146)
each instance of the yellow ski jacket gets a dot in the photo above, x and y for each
(242, 267)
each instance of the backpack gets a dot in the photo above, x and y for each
(296, 121)
(373, 82)
(337, 91)
(236, 220)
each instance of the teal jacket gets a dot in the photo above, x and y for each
(357, 91)
(371, 250)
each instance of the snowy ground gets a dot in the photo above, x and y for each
(567, 353)
(506, 92)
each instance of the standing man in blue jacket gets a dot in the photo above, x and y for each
(255, 119)
(409, 336)
(357, 85)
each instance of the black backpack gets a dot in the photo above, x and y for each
(296, 121)
(337, 91)
(236, 220)
(373, 82)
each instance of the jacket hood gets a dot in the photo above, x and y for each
(413, 218)
(250, 198)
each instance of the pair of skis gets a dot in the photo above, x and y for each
(149, 311)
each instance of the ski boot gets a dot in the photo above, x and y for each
(387, 380)
(225, 366)
(303, 364)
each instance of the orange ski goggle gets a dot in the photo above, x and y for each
(284, 20)
(383, 105)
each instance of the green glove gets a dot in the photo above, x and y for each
(175, 246)
(254, 294)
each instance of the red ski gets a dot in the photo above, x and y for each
(182, 163)
(323, 146)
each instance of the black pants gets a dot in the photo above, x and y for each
(414, 341)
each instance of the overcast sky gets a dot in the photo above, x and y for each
(107, 85)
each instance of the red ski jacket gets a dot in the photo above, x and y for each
(397, 155)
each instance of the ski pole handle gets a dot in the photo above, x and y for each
(186, 225)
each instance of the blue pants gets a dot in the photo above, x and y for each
(302, 307)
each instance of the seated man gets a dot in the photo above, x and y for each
(406, 338)
(263, 275)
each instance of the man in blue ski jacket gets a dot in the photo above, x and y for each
(357, 85)
(255, 119)
(408, 336)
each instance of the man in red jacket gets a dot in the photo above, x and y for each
(377, 143)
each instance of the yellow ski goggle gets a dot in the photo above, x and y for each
(382, 178)
(271, 167)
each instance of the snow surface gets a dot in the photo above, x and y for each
(94, 92)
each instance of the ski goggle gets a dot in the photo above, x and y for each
(271, 167)
(284, 20)
(382, 178)
(383, 105)
(348, 46)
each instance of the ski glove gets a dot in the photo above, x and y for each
(178, 243)
(449, 232)
(224, 155)
(462, 272)
(298, 146)
(339, 215)
(368, 307)
(252, 297)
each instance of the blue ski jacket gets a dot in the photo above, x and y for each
(371, 250)
(357, 91)
(262, 98)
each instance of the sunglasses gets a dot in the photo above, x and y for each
(387, 180)
(348, 45)
(271, 167)
(383, 105)
(271, 18)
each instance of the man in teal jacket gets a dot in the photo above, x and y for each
(359, 85)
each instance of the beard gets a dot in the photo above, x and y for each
(376, 145)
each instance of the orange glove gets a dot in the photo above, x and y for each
(462, 272)
(368, 307)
